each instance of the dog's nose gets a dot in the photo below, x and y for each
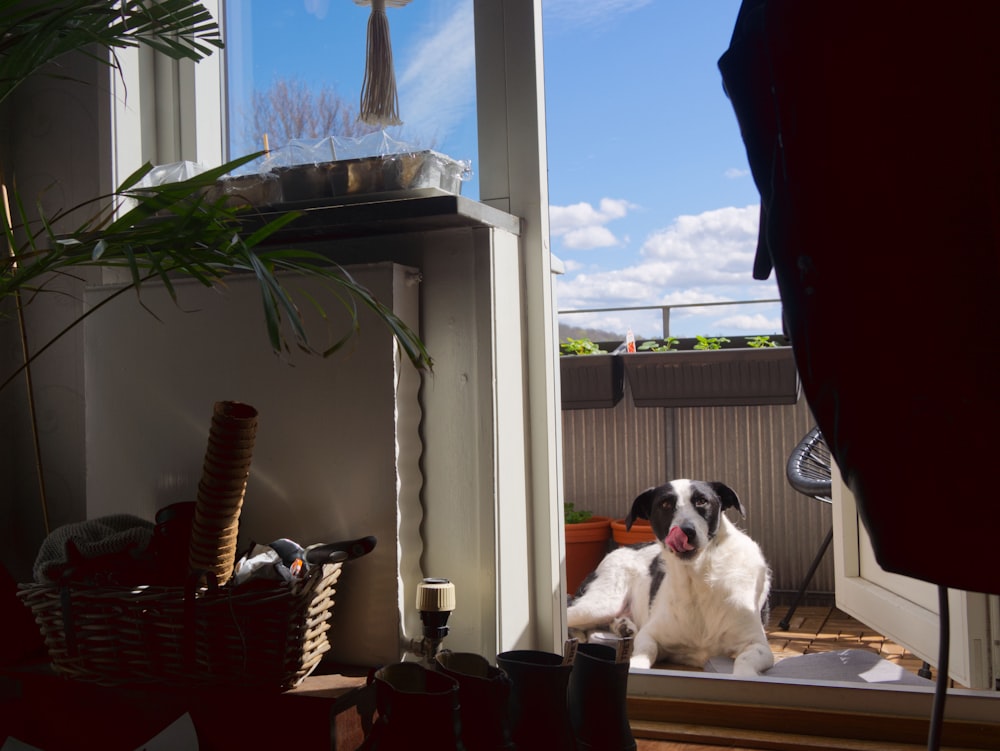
(689, 532)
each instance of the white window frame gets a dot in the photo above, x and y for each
(164, 111)
(905, 609)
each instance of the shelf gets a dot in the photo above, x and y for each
(383, 214)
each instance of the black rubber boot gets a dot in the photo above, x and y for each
(597, 700)
(483, 691)
(417, 708)
(538, 715)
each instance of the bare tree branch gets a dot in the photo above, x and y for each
(291, 109)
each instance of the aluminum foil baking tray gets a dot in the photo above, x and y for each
(344, 178)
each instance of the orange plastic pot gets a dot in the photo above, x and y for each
(640, 532)
(586, 544)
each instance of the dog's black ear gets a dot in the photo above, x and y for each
(641, 507)
(728, 497)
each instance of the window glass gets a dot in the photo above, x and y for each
(289, 55)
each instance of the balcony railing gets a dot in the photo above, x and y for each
(665, 310)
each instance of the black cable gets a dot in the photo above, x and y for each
(941, 688)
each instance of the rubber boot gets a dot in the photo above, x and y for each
(417, 708)
(597, 699)
(483, 691)
(538, 715)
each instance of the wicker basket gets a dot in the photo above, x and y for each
(187, 636)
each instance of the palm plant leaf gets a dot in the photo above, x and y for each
(34, 34)
(162, 232)
(176, 229)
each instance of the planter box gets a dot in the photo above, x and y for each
(591, 381)
(713, 378)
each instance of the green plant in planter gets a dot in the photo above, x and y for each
(760, 342)
(573, 516)
(582, 346)
(714, 342)
(665, 345)
(589, 382)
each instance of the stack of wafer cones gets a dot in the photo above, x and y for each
(221, 489)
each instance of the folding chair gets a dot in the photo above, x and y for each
(808, 472)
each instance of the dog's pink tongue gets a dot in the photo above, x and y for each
(677, 540)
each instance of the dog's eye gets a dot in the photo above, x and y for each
(699, 501)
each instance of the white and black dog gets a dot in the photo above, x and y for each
(699, 591)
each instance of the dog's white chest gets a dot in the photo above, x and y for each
(691, 617)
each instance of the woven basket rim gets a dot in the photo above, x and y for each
(248, 636)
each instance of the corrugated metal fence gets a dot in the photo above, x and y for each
(612, 455)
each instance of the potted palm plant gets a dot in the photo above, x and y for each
(154, 233)
(148, 233)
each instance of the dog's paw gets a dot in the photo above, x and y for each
(623, 627)
(581, 635)
(753, 660)
(640, 661)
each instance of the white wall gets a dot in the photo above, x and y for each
(337, 449)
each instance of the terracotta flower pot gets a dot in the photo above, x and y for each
(586, 544)
(641, 532)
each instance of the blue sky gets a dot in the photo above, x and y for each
(651, 201)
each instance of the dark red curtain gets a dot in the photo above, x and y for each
(873, 134)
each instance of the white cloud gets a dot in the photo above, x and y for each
(590, 11)
(715, 247)
(753, 323)
(437, 85)
(587, 238)
(697, 259)
(734, 173)
(581, 225)
(317, 8)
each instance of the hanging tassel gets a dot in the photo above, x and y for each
(379, 102)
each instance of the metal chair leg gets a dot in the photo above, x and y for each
(784, 623)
